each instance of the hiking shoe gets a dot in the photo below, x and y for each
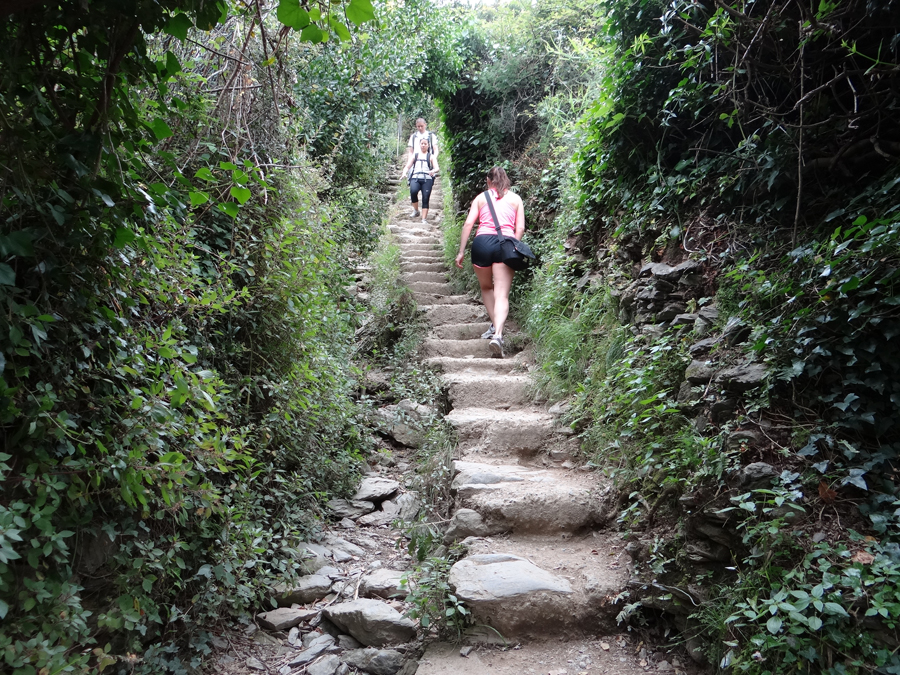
(488, 334)
(497, 346)
(415, 213)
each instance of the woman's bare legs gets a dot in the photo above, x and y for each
(486, 281)
(503, 276)
(424, 214)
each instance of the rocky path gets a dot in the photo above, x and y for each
(538, 569)
(540, 575)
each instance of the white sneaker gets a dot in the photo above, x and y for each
(488, 334)
(497, 346)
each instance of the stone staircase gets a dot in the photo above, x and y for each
(539, 570)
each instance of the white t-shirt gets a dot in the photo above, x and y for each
(417, 136)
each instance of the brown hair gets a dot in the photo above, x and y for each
(499, 180)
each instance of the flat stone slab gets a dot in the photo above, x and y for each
(345, 508)
(498, 576)
(517, 431)
(433, 276)
(456, 348)
(375, 489)
(373, 622)
(477, 390)
(473, 365)
(284, 618)
(437, 315)
(431, 287)
(460, 331)
(432, 299)
(305, 590)
(519, 499)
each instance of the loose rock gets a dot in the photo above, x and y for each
(305, 590)
(375, 661)
(372, 622)
(383, 583)
(374, 489)
(327, 665)
(284, 618)
(345, 508)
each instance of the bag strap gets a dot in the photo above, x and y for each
(490, 203)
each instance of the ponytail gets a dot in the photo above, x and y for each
(499, 180)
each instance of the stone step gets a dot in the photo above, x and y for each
(433, 277)
(461, 331)
(432, 299)
(573, 656)
(471, 364)
(444, 314)
(534, 586)
(477, 390)
(421, 249)
(417, 240)
(431, 287)
(523, 432)
(423, 267)
(514, 498)
(456, 348)
(421, 258)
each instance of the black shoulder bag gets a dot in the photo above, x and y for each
(516, 254)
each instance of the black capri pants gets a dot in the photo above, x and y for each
(423, 184)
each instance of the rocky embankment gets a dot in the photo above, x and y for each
(540, 575)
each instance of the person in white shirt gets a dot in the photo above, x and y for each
(420, 133)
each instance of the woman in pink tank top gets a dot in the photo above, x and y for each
(494, 276)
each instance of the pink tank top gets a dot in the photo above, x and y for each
(506, 213)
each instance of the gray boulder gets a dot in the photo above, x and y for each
(467, 523)
(496, 576)
(327, 665)
(304, 590)
(345, 508)
(699, 372)
(383, 583)
(372, 622)
(757, 474)
(409, 505)
(389, 512)
(375, 489)
(284, 618)
(743, 377)
(375, 661)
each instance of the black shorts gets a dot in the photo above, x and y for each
(486, 250)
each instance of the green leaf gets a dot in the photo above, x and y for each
(339, 29)
(312, 34)
(172, 65)
(178, 26)
(360, 11)
(773, 625)
(229, 207)
(124, 236)
(166, 352)
(198, 198)
(17, 243)
(7, 275)
(315, 14)
(204, 173)
(241, 194)
(160, 129)
(814, 623)
(227, 166)
(835, 608)
(290, 13)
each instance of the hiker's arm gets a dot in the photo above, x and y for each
(434, 161)
(467, 230)
(520, 220)
(409, 162)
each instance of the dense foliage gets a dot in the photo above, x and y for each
(182, 185)
(758, 139)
